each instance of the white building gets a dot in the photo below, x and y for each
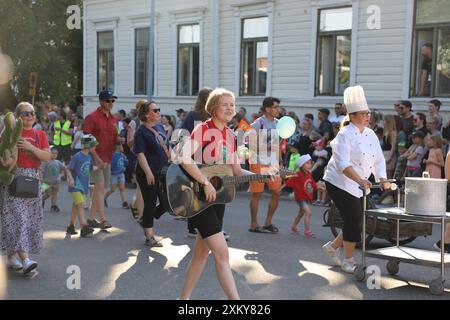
(304, 52)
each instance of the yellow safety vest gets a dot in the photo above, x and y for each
(60, 137)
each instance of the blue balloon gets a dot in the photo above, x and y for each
(286, 127)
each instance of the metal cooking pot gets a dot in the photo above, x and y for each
(425, 196)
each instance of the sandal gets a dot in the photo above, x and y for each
(271, 228)
(258, 229)
(294, 229)
(309, 234)
(134, 211)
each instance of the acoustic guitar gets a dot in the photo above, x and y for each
(183, 196)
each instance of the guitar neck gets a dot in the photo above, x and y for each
(244, 179)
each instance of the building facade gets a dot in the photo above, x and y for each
(306, 52)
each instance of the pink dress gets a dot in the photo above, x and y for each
(434, 170)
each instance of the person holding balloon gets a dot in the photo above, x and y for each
(267, 159)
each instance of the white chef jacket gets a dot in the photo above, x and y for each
(362, 151)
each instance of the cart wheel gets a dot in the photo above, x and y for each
(360, 273)
(437, 286)
(392, 267)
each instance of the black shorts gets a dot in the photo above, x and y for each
(210, 221)
(64, 153)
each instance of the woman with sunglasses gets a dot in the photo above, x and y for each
(22, 229)
(152, 151)
(356, 155)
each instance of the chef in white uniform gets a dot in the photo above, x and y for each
(356, 155)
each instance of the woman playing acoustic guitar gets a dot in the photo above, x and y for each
(212, 142)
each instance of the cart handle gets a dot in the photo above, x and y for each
(379, 185)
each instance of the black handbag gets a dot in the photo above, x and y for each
(24, 187)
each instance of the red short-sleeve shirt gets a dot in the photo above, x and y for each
(303, 185)
(37, 138)
(212, 139)
(104, 129)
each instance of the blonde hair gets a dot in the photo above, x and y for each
(389, 124)
(437, 140)
(20, 105)
(214, 98)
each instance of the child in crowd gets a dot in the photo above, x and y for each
(52, 171)
(304, 186)
(400, 166)
(80, 168)
(118, 165)
(414, 155)
(294, 157)
(320, 155)
(435, 161)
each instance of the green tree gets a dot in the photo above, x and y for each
(35, 35)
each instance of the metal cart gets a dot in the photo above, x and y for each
(396, 254)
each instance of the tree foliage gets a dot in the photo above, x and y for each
(35, 35)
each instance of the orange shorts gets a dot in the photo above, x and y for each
(258, 187)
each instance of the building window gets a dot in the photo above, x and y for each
(188, 60)
(254, 56)
(333, 51)
(141, 50)
(105, 60)
(430, 74)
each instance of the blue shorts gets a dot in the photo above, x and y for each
(303, 203)
(117, 178)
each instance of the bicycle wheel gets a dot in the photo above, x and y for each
(402, 241)
(336, 223)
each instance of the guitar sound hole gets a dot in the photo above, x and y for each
(216, 183)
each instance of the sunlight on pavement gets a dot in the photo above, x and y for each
(173, 254)
(338, 282)
(246, 263)
(114, 273)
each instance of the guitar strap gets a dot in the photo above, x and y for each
(161, 142)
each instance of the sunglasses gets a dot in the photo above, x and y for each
(28, 113)
(110, 101)
(156, 110)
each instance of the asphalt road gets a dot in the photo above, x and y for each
(117, 265)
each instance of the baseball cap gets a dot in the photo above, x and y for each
(52, 114)
(418, 134)
(106, 94)
(180, 110)
(401, 144)
(88, 141)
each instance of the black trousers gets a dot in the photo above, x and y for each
(150, 195)
(351, 210)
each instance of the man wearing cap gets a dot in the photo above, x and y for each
(356, 155)
(102, 124)
(325, 127)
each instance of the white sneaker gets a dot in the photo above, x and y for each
(332, 253)
(14, 263)
(348, 265)
(29, 265)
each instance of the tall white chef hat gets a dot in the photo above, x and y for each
(355, 99)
